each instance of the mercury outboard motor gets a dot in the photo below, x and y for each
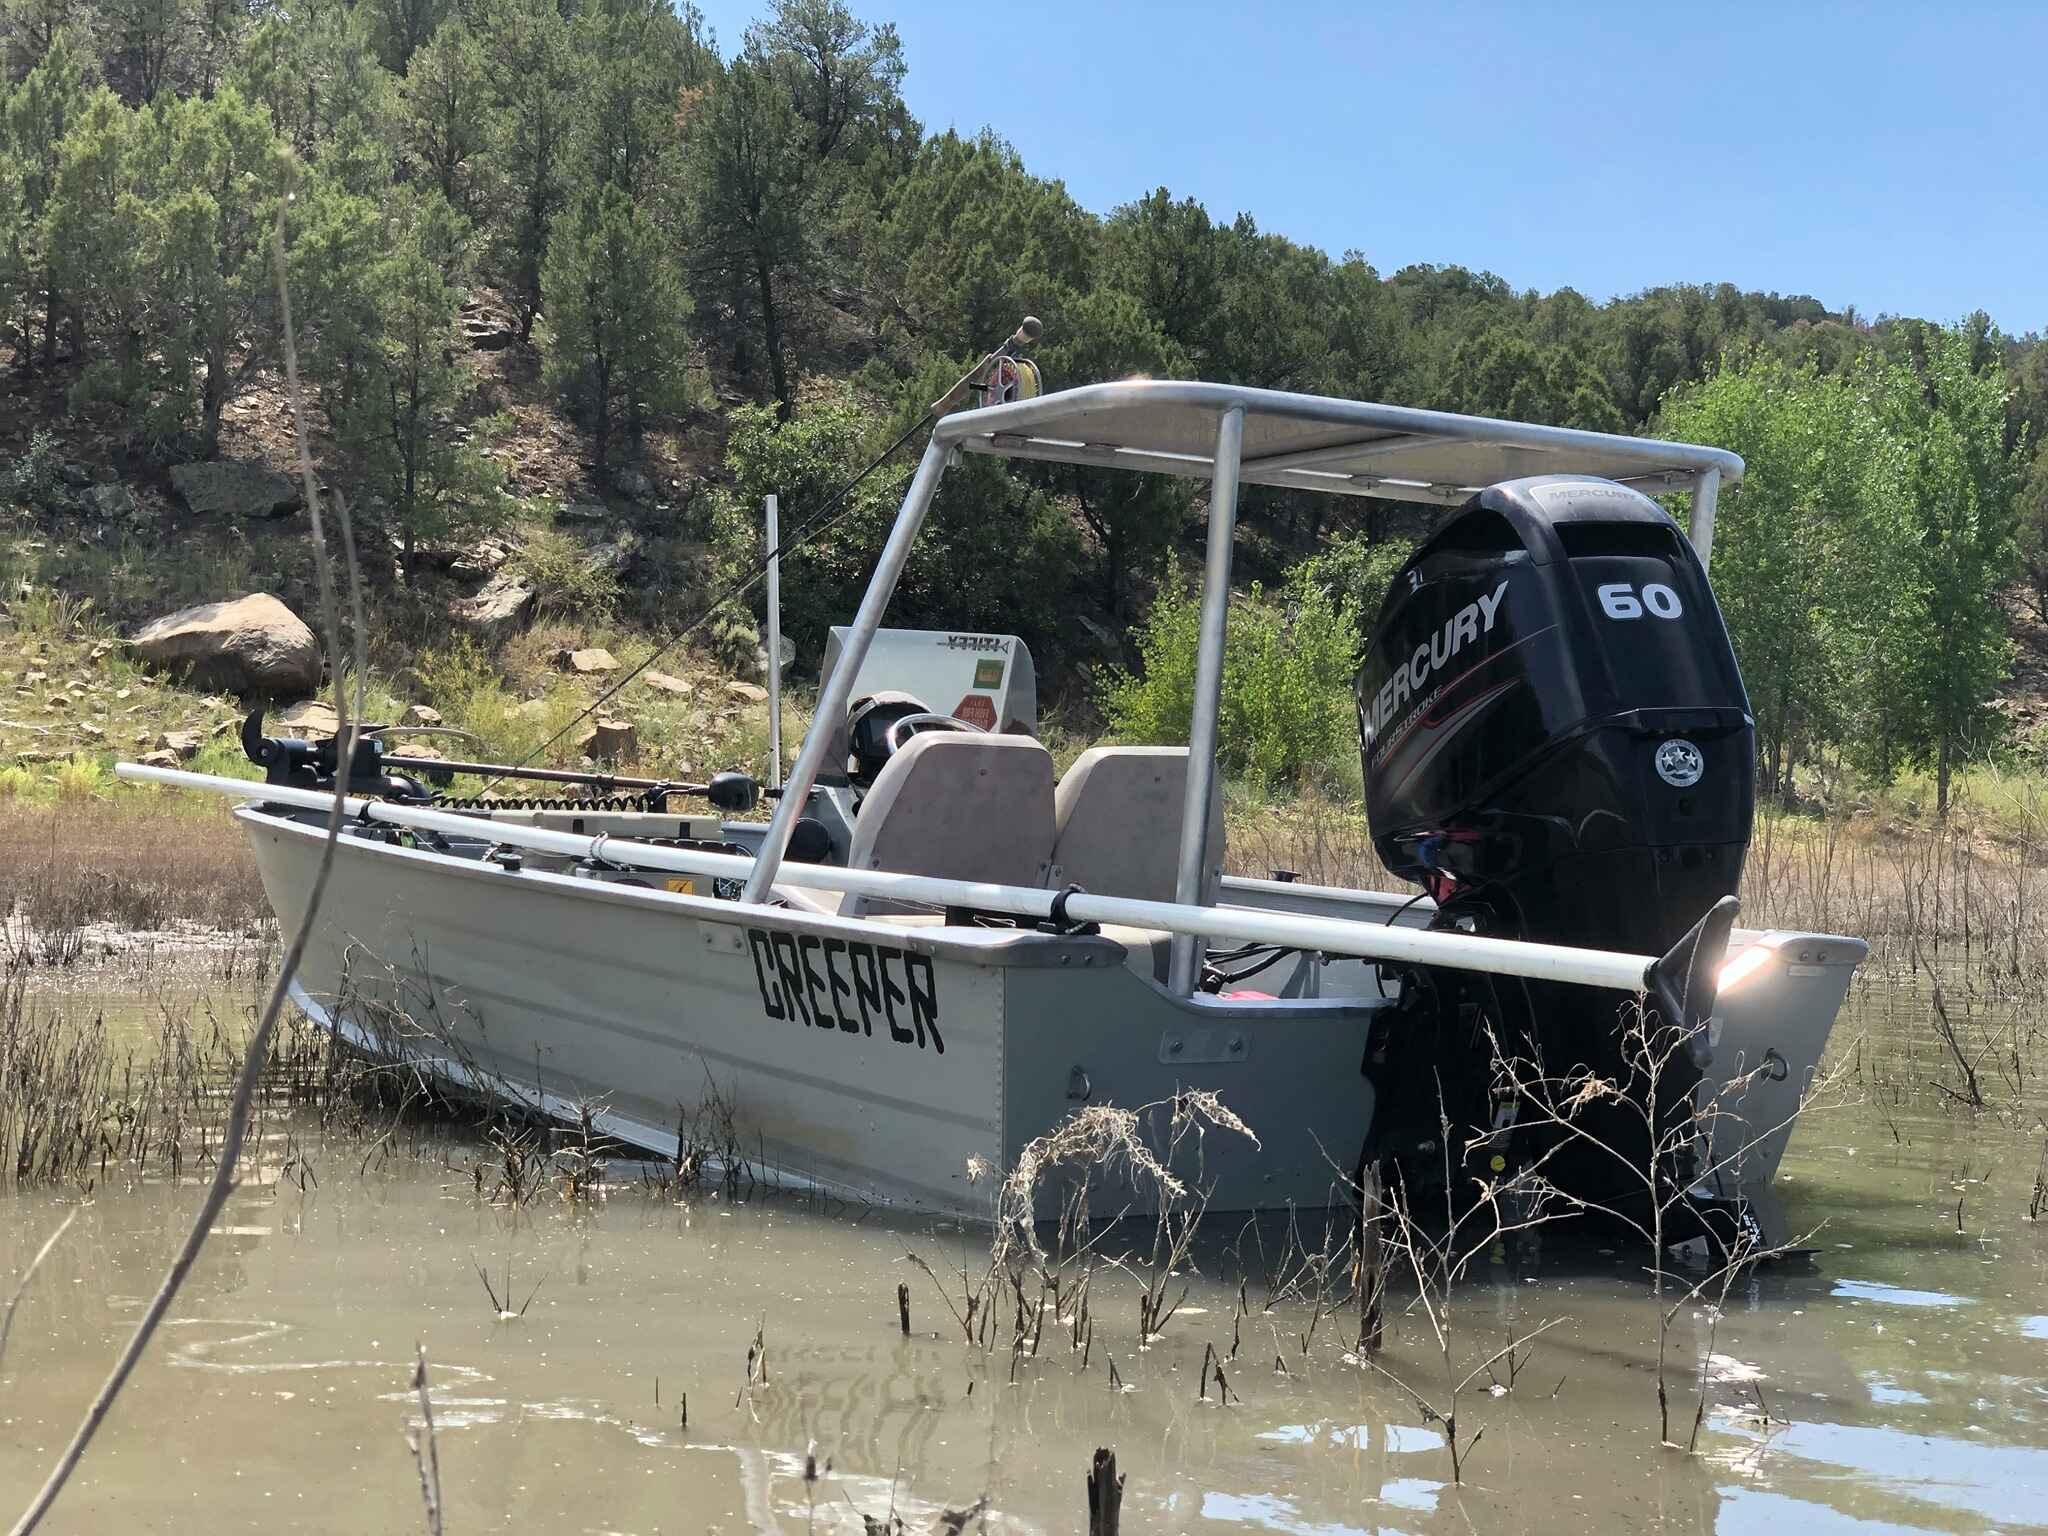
(1558, 747)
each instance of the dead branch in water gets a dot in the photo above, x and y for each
(28, 1274)
(236, 1129)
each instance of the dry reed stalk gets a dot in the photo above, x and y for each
(223, 1182)
(426, 1449)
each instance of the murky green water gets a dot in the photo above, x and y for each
(1904, 1374)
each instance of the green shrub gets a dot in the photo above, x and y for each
(1287, 713)
(1350, 568)
(37, 478)
(566, 582)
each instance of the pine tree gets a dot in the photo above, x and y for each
(532, 81)
(615, 313)
(751, 177)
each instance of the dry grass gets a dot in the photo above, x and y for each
(137, 864)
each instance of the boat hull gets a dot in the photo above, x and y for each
(875, 1060)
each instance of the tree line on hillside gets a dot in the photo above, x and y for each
(667, 221)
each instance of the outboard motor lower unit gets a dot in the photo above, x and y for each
(1558, 747)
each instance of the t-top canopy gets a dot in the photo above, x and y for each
(1314, 443)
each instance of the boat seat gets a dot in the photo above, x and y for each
(1116, 820)
(956, 806)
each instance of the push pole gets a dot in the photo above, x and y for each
(774, 647)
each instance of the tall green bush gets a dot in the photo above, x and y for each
(1287, 716)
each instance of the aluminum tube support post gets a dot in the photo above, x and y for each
(830, 717)
(774, 645)
(1184, 956)
(1706, 494)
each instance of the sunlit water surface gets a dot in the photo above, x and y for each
(1898, 1383)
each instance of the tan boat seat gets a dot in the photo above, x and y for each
(956, 806)
(1117, 824)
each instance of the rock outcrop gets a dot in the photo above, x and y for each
(248, 645)
(235, 488)
(503, 602)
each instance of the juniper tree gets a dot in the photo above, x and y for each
(210, 172)
(415, 470)
(92, 221)
(442, 122)
(38, 113)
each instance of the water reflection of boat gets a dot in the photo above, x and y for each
(935, 951)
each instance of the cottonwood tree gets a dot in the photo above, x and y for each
(615, 313)
(1961, 486)
(1814, 635)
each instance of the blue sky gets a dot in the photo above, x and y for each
(1890, 157)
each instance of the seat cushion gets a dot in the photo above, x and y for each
(956, 806)
(1117, 819)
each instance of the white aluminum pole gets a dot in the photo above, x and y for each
(1706, 494)
(774, 646)
(1370, 940)
(830, 719)
(1183, 961)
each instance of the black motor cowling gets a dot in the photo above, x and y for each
(1558, 747)
(1552, 719)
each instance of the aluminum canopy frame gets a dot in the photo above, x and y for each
(1231, 435)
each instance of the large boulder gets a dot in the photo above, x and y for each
(251, 645)
(235, 488)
